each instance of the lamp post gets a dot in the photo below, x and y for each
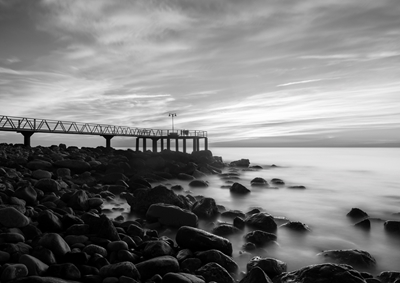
(172, 115)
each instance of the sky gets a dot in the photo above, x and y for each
(250, 73)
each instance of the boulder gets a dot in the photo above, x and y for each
(124, 268)
(237, 188)
(144, 198)
(48, 185)
(185, 177)
(12, 218)
(389, 277)
(296, 226)
(356, 258)
(363, 224)
(233, 214)
(198, 184)
(200, 240)
(55, 243)
(205, 208)
(158, 265)
(357, 213)
(77, 166)
(171, 215)
(156, 249)
(101, 226)
(240, 163)
(27, 193)
(39, 164)
(256, 275)
(260, 238)
(259, 182)
(277, 181)
(41, 174)
(225, 230)
(322, 273)
(35, 266)
(64, 270)
(218, 257)
(181, 277)
(392, 226)
(13, 271)
(49, 222)
(214, 272)
(271, 266)
(261, 221)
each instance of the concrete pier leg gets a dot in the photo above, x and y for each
(168, 143)
(137, 144)
(205, 143)
(144, 145)
(154, 145)
(198, 144)
(184, 145)
(108, 140)
(194, 144)
(27, 137)
(177, 144)
(162, 144)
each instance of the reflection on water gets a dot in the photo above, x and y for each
(336, 180)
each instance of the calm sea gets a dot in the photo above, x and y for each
(336, 180)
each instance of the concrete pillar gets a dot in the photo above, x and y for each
(108, 140)
(144, 145)
(154, 144)
(184, 145)
(198, 144)
(137, 144)
(27, 137)
(194, 144)
(162, 144)
(168, 143)
(177, 144)
(205, 143)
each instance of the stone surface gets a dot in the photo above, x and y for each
(389, 277)
(77, 166)
(225, 230)
(271, 266)
(218, 257)
(392, 226)
(12, 218)
(205, 208)
(356, 258)
(256, 275)
(13, 271)
(214, 272)
(238, 188)
(55, 243)
(198, 184)
(181, 277)
(124, 268)
(200, 240)
(357, 213)
(261, 221)
(259, 182)
(296, 226)
(48, 185)
(171, 215)
(35, 266)
(240, 163)
(158, 265)
(260, 238)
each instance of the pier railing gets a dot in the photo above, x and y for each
(23, 124)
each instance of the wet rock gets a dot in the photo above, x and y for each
(198, 184)
(45, 255)
(199, 174)
(392, 226)
(256, 275)
(363, 224)
(205, 208)
(271, 266)
(39, 164)
(237, 188)
(225, 230)
(113, 178)
(199, 240)
(389, 277)
(259, 182)
(117, 246)
(27, 193)
(125, 268)
(191, 264)
(357, 213)
(158, 265)
(322, 273)
(11, 238)
(156, 249)
(261, 221)
(214, 272)
(48, 185)
(55, 243)
(296, 226)
(171, 215)
(240, 163)
(185, 177)
(101, 226)
(12, 218)
(277, 181)
(77, 166)
(233, 214)
(218, 257)
(64, 173)
(41, 174)
(239, 223)
(65, 270)
(181, 278)
(297, 187)
(260, 238)
(49, 222)
(95, 249)
(356, 258)
(79, 200)
(13, 271)
(4, 257)
(144, 198)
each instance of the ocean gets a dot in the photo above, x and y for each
(336, 180)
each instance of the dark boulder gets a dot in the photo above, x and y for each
(214, 272)
(200, 240)
(261, 221)
(259, 182)
(237, 188)
(260, 238)
(65, 270)
(101, 226)
(271, 266)
(233, 214)
(295, 226)
(357, 213)
(363, 224)
(389, 277)
(256, 275)
(205, 208)
(156, 249)
(181, 277)
(158, 265)
(392, 226)
(277, 181)
(356, 258)
(77, 166)
(218, 257)
(48, 185)
(171, 215)
(225, 230)
(198, 184)
(124, 268)
(240, 163)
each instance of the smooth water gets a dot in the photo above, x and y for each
(336, 180)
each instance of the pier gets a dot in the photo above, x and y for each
(159, 138)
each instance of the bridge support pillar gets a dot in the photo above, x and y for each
(205, 143)
(137, 144)
(144, 145)
(162, 144)
(168, 143)
(108, 140)
(177, 144)
(154, 144)
(184, 145)
(194, 144)
(27, 137)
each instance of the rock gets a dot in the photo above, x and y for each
(117, 246)
(392, 226)
(259, 182)
(240, 163)
(357, 213)
(261, 221)
(198, 184)
(214, 272)
(49, 222)
(27, 193)
(79, 200)
(77, 166)
(218, 257)
(239, 223)
(101, 226)
(260, 238)
(256, 275)
(155, 162)
(65, 270)
(356, 258)
(233, 214)
(171, 215)
(92, 249)
(363, 224)
(45, 255)
(11, 238)
(205, 208)
(124, 268)
(191, 264)
(237, 188)
(297, 187)
(181, 277)
(158, 265)
(296, 226)
(55, 243)
(156, 249)
(113, 178)
(185, 177)
(144, 198)
(94, 202)
(48, 185)
(272, 267)
(77, 258)
(389, 277)
(322, 273)
(41, 174)
(64, 173)
(39, 164)
(277, 181)
(199, 240)
(12, 218)
(198, 174)
(225, 230)
(13, 271)
(4, 257)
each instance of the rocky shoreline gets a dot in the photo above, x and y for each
(53, 226)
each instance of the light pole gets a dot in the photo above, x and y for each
(172, 115)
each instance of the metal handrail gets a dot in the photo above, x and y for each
(21, 124)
